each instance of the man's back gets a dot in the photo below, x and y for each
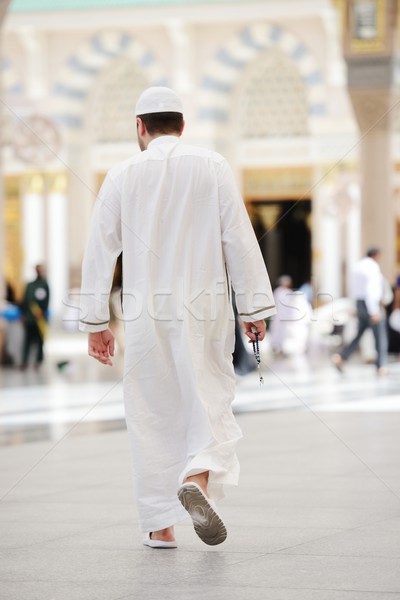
(170, 214)
(177, 216)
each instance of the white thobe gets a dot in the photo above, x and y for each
(176, 214)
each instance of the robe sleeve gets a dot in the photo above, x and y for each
(102, 250)
(244, 261)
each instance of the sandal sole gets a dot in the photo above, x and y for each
(207, 523)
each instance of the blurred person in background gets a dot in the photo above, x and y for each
(289, 329)
(34, 309)
(11, 297)
(308, 290)
(393, 314)
(10, 324)
(177, 216)
(368, 289)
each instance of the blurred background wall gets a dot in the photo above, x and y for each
(299, 95)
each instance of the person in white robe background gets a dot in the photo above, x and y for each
(175, 213)
(289, 329)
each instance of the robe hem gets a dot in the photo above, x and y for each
(170, 519)
(218, 478)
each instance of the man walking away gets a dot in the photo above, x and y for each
(175, 213)
(367, 286)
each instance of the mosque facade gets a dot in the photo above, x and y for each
(262, 82)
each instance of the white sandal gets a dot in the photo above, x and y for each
(206, 521)
(147, 541)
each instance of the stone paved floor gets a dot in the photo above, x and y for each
(316, 515)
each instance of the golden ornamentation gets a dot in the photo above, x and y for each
(363, 42)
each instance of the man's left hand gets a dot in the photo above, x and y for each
(101, 346)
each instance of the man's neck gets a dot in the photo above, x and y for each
(158, 135)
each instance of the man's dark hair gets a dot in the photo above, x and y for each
(163, 122)
(374, 251)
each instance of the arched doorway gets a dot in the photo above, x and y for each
(283, 230)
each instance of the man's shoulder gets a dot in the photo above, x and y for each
(366, 266)
(200, 151)
(182, 149)
(121, 167)
(369, 263)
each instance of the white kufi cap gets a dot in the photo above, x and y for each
(158, 99)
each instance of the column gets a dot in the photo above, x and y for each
(370, 45)
(330, 278)
(57, 244)
(326, 241)
(82, 192)
(33, 225)
(3, 9)
(378, 210)
(353, 232)
(326, 237)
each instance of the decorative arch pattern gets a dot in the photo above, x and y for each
(271, 100)
(11, 83)
(233, 57)
(85, 64)
(111, 101)
(13, 90)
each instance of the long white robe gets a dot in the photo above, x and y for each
(176, 213)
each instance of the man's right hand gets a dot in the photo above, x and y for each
(260, 327)
(375, 318)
